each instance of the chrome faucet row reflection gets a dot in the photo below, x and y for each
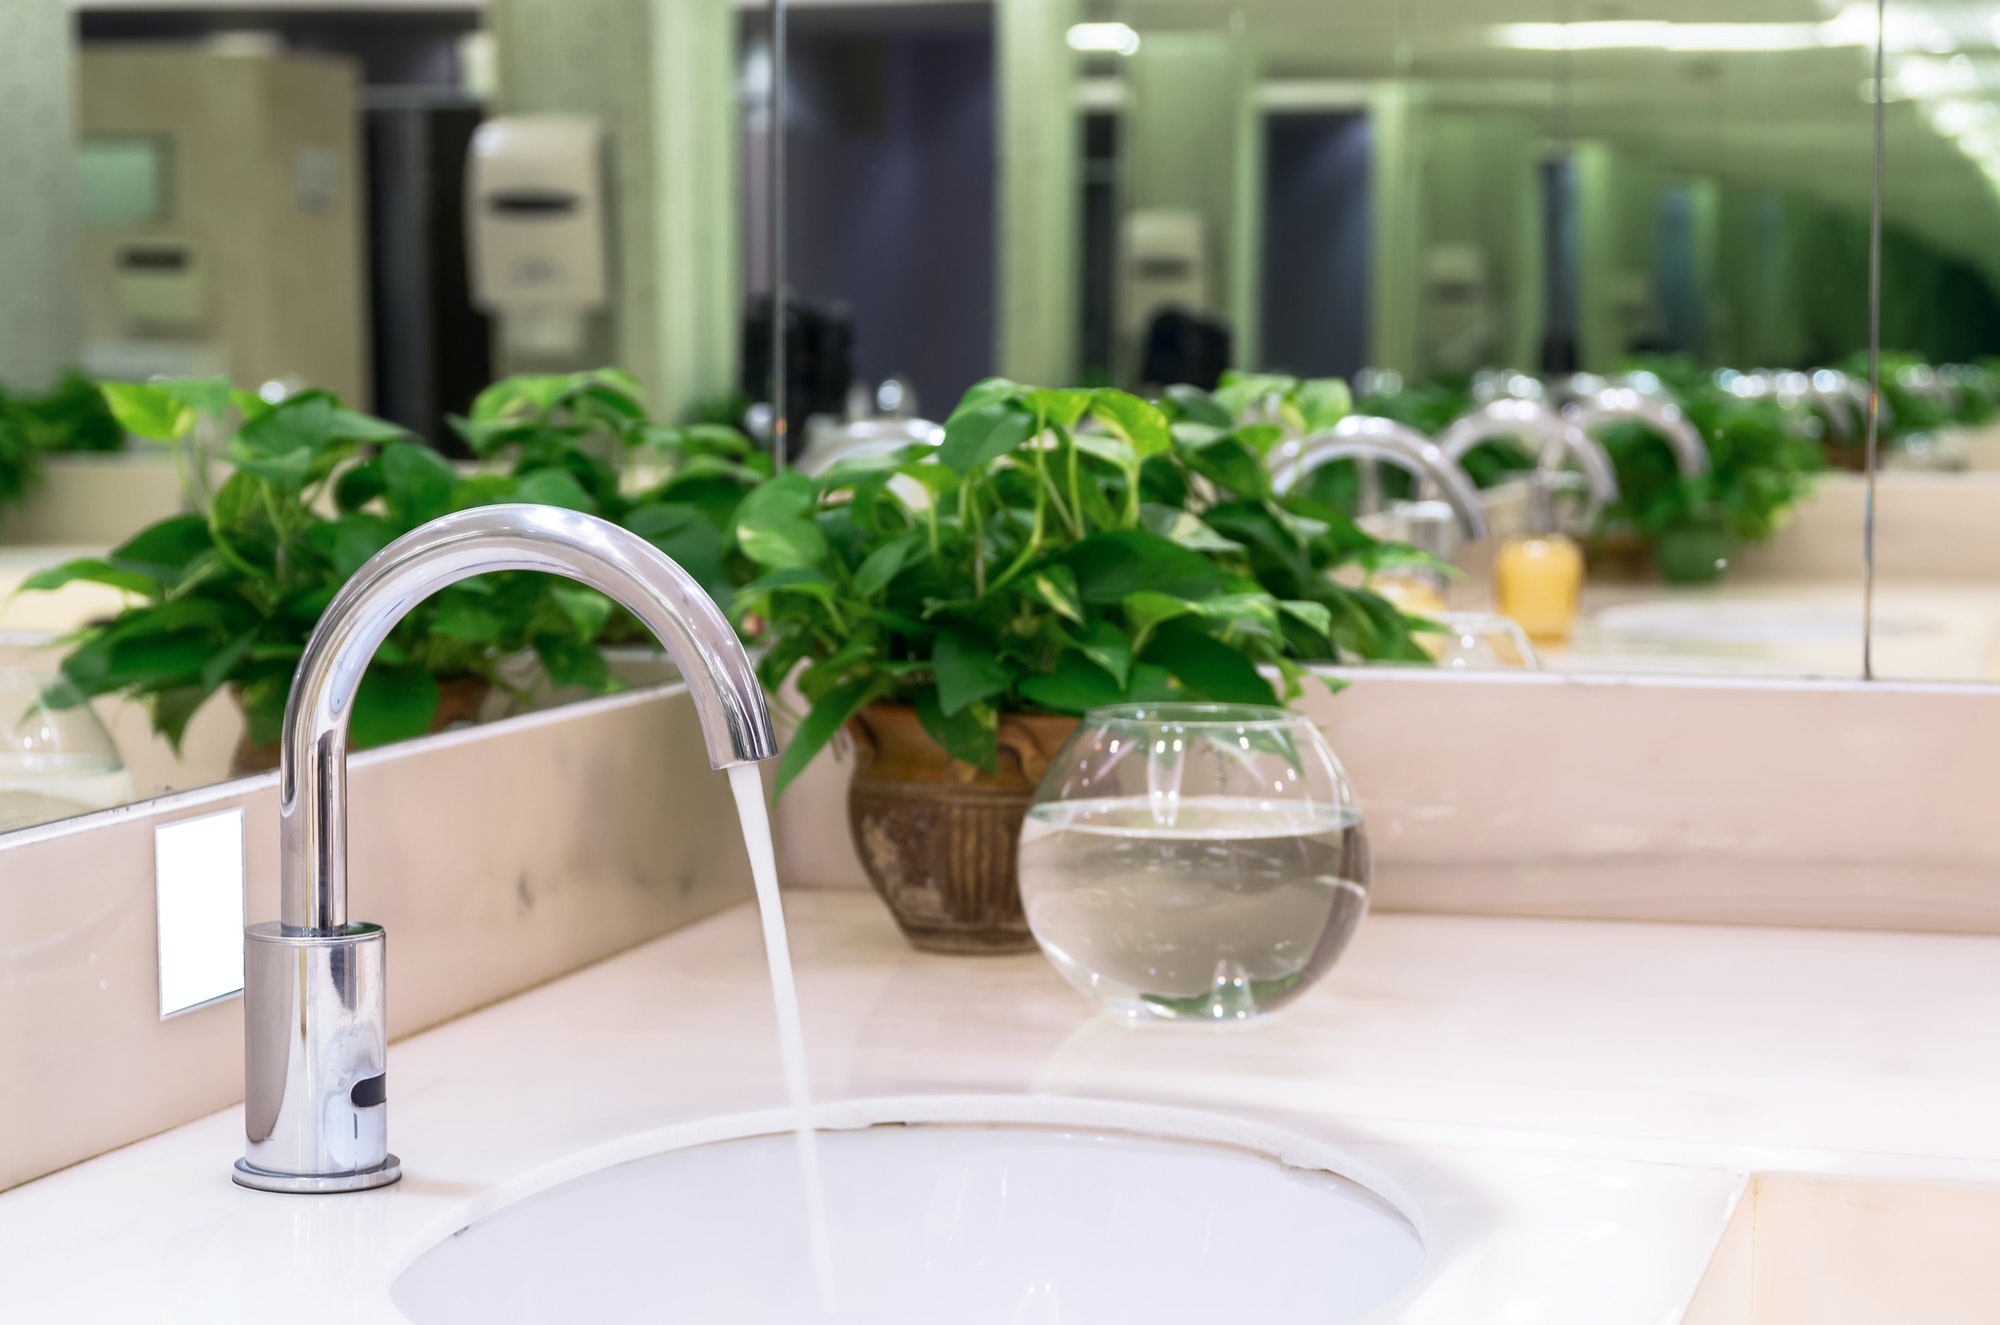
(315, 1033)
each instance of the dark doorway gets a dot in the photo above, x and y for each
(1316, 243)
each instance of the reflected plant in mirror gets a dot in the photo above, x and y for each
(1762, 451)
(70, 417)
(225, 596)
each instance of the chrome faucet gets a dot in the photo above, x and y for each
(315, 1023)
(1599, 403)
(1364, 439)
(1554, 437)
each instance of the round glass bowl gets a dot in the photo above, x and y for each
(56, 759)
(1477, 642)
(1194, 862)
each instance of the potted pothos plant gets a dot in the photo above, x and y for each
(956, 608)
(223, 598)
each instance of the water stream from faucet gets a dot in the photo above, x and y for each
(748, 786)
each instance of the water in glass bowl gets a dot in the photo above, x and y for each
(1212, 908)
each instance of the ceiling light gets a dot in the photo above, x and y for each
(1660, 35)
(1905, 27)
(1104, 38)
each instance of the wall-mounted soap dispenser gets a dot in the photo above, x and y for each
(1538, 575)
(536, 226)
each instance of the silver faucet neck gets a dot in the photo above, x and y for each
(1555, 437)
(312, 785)
(1611, 404)
(1365, 438)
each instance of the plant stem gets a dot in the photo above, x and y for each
(1075, 494)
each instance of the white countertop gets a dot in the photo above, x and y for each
(1572, 1106)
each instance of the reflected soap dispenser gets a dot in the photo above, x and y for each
(1538, 575)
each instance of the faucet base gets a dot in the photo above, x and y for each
(307, 1184)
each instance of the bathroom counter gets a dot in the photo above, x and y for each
(1573, 1106)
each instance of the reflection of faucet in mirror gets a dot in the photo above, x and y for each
(1553, 437)
(863, 439)
(1365, 439)
(315, 1014)
(1596, 403)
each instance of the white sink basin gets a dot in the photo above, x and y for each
(1016, 1224)
(1744, 622)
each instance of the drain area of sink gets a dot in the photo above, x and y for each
(1017, 1213)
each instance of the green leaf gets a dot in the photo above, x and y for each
(1316, 617)
(1323, 402)
(588, 610)
(1075, 685)
(173, 709)
(1184, 528)
(350, 541)
(303, 423)
(353, 425)
(1207, 667)
(875, 572)
(794, 579)
(971, 736)
(782, 544)
(149, 411)
(1061, 408)
(784, 498)
(1055, 584)
(826, 717)
(685, 534)
(1111, 565)
(1197, 406)
(983, 436)
(361, 484)
(1110, 648)
(967, 671)
(469, 622)
(90, 570)
(1109, 448)
(1139, 423)
(165, 548)
(555, 487)
(207, 395)
(571, 662)
(1147, 610)
(392, 704)
(1232, 465)
(417, 482)
(218, 668)
(991, 391)
(1151, 682)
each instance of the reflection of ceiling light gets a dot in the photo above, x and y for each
(1926, 78)
(1659, 35)
(1906, 28)
(1108, 38)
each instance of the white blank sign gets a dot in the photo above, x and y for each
(198, 865)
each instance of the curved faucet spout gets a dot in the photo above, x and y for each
(1364, 437)
(1554, 437)
(312, 786)
(1612, 404)
(315, 1006)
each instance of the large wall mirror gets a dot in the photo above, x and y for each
(1589, 283)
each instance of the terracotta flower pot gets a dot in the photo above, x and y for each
(459, 702)
(940, 838)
